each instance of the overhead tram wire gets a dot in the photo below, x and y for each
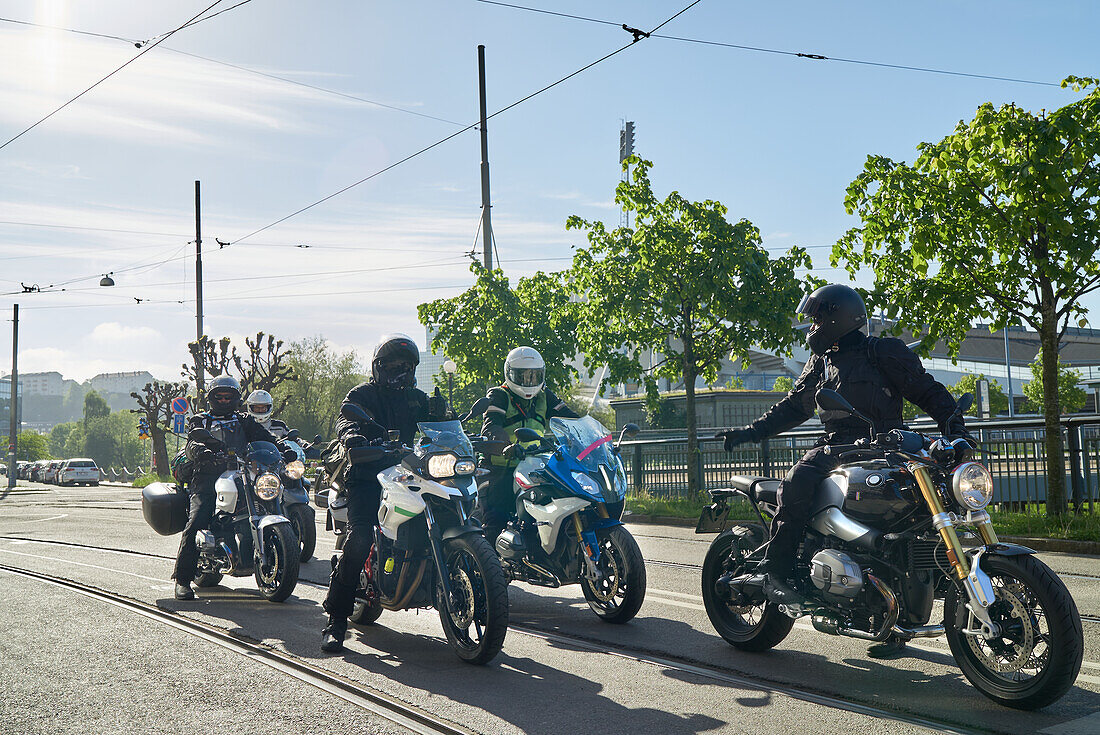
(782, 52)
(145, 50)
(238, 67)
(455, 134)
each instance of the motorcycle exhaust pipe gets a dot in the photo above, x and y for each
(544, 572)
(230, 563)
(920, 631)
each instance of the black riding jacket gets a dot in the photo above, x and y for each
(236, 430)
(874, 375)
(391, 408)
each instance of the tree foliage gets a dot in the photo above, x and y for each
(685, 283)
(323, 376)
(783, 383)
(479, 327)
(997, 222)
(969, 384)
(1071, 396)
(29, 447)
(95, 407)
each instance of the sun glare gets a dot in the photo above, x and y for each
(50, 46)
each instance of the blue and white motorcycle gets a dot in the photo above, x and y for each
(570, 491)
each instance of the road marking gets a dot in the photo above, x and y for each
(40, 520)
(81, 564)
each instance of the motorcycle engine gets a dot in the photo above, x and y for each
(834, 573)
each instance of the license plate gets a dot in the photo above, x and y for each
(713, 518)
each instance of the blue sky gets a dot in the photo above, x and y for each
(774, 137)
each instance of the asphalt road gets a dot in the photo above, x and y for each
(75, 665)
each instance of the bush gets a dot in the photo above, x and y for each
(150, 478)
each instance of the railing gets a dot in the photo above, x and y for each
(659, 466)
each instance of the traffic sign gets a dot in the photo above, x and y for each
(177, 423)
(179, 405)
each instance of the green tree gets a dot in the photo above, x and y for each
(95, 407)
(783, 383)
(684, 282)
(58, 436)
(1071, 396)
(969, 384)
(30, 447)
(997, 221)
(479, 327)
(323, 378)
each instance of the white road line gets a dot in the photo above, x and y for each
(81, 564)
(39, 520)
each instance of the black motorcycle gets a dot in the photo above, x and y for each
(882, 544)
(248, 533)
(296, 489)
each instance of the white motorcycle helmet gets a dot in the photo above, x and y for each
(524, 372)
(259, 404)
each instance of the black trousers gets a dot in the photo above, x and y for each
(202, 510)
(796, 494)
(364, 495)
(497, 503)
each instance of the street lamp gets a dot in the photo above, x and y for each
(450, 367)
(106, 280)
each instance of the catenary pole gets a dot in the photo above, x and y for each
(13, 405)
(199, 379)
(487, 227)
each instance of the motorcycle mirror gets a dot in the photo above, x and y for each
(629, 432)
(292, 435)
(477, 409)
(199, 435)
(830, 400)
(965, 401)
(353, 412)
(317, 439)
(393, 435)
(524, 434)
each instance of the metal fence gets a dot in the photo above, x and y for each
(658, 467)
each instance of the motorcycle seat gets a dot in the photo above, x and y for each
(759, 489)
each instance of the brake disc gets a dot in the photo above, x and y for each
(1001, 655)
(463, 591)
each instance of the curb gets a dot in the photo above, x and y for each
(660, 520)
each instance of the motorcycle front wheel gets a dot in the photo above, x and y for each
(476, 622)
(279, 576)
(617, 595)
(749, 627)
(1038, 655)
(301, 518)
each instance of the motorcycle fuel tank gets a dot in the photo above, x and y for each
(878, 494)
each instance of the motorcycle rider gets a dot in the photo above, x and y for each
(874, 375)
(391, 399)
(260, 405)
(237, 429)
(521, 401)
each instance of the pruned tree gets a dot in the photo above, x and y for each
(155, 403)
(262, 366)
(996, 222)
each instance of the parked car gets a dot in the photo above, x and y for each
(80, 471)
(50, 473)
(38, 470)
(24, 470)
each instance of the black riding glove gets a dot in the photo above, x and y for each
(733, 437)
(354, 440)
(955, 427)
(437, 406)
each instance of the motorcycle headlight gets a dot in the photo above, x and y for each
(973, 485)
(294, 470)
(442, 466)
(465, 467)
(587, 483)
(268, 486)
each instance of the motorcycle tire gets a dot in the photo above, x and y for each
(208, 579)
(1028, 594)
(476, 633)
(305, 528)
(281, 546)
(365, 614)
(752, 628)
(618, 596)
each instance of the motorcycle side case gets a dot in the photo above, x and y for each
(164, 507)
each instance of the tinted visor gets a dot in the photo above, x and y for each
(223, 397)
(526, 377)
(809, 306)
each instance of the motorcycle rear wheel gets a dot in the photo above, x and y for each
(748, 628)
(1038, 657)
(619, 594)
(279, 578)
(476, 630)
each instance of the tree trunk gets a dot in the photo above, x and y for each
(1052, 409)
(695, 482)
(160, 451)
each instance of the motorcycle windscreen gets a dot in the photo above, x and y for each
(262, 455)
(444, 436)
(588, 443)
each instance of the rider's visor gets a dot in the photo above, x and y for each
(260, 408)
(526, 377)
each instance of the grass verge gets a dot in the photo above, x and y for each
(150, 479)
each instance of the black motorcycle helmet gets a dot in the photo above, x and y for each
(223, 395)
(394, 362)
(834, 310)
